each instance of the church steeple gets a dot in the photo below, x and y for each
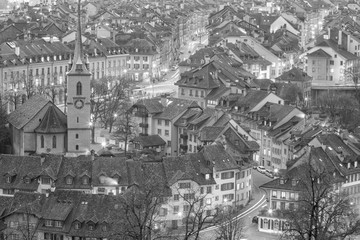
(79, 62)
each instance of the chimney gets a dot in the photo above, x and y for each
(92, 152)
(340, 37)
(17, 51)
(42, 159)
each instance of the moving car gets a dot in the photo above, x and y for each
(269, 173)
(261, 169)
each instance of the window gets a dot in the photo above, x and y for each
(45, 180)
(167, 122)
(227, 186)
(228, 197)
(76, 136)
(77, 147)
(58, 224)
(166, 132)
(27, 180)
(85, 180)
(42, 141)
(196, 93)
(163, 212)
(182, 91)
(69, 180)
(159, 131)
(78, 88)
(274, 193)
(208, 201)
(91, 227)
(283, 194)
(48, 223)
(202, 93)
(104, 228)
(176, 197)
(145, 59)
(54, 142)
(8, 179)
(331, 62)
(176, 209)
(184, 185)
(186, 208)
(189, 196)
(190, 94)
(169, 143)
(227, 175)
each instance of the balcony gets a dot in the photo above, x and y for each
(141, 114)
(184, 136)
(184, 147)
(143, 125)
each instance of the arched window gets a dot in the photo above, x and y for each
(42, 141)
(54, 142)
(78, 88)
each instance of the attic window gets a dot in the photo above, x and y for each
(91, 227)
(282, 181)
(69, 180)
(55, 58)
(27, 180)
(85, 180)
(8, 179)
(104, 227)
(207, 176)
(77, 225)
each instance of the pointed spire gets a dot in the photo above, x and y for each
(78, 65)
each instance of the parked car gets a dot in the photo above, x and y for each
(255, 219)
(261, 169)
(269, 173)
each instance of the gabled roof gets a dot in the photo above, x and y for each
(218, 158)
(252, 98)
(149, 141)
(24, 113)
(174, 107)
(54, 121)
(319, 53)
(78, 166)
(152, 105)
(330, 43)
(294, 75)
(110, 167)
(210, 133)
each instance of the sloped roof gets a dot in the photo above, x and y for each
(294, 75)
(54, 121)
(330, 43)
(252, 98)
(174, 107)
(319, 53)
(152, 105)
(24, 113)
(219, 158)
(149, 141)
(210, 133)
(74, 166)
(110, 167)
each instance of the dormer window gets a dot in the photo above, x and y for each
(45, 180)
(58, 224)
(282, 181)
(91, 226)
(48, 223)
(42, 59)
(207, 176)
(85, 180)
(55, 58)
(293, 182)
(8, 179)
(27, 180)
(69, 180)
(77, 225)
(104, 228)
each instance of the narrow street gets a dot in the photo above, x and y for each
(251, 229)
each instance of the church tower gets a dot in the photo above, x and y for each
(78, 99)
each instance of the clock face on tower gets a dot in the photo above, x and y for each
(79, 103)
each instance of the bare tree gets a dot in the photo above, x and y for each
(322, 211)
(142, 201)
(229, 226)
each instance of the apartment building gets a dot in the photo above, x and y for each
(284, 192)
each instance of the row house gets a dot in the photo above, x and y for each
(63, 215)
(268, 121)
(220, 76)
(158, 116)
(207, 180)
(143, 62)
(28, 173)
(285, 192)
(40, 66)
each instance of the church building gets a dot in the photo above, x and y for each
(39, 126)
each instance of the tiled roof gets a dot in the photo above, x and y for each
(294, 74)
(54, 121)
(149, 141)
(74, 166)
(188, 167)
(216, 93)
(262, 84)
(152, 105)
(111, 169)
(174, 107)
(336, 143)
(24, 113)
(210, 133)
(319, 53)
(252, 98)
(219, 158)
